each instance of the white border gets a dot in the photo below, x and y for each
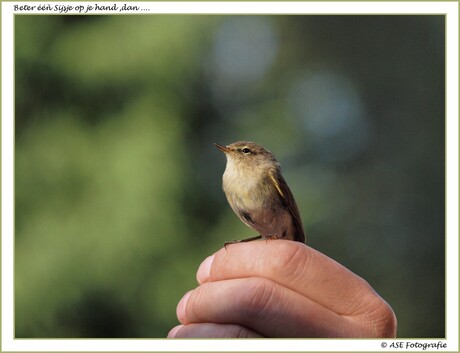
(450, 9)
(244, 7)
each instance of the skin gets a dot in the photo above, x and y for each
(281, 289)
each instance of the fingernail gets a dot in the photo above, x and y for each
(174, 330)
(180, 310)
(204, 270)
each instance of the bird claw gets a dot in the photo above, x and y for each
(241, 241)
(227, 243)
(271, 237)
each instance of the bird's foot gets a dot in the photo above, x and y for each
(240, 241)
(271, 237)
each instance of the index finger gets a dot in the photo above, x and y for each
(295, 266)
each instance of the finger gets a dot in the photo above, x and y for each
(262, 306)
(295, 266)
(211, 330)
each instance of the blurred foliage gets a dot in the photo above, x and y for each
(117, 183)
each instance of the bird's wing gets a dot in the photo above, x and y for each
(288, 200)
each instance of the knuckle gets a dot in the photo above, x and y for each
(380, 321)
(241, 332)
(291, 259)
(193, 312)
(387, 324)
(287, 250)
(258, 297)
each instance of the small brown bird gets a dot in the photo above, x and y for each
(258, 194)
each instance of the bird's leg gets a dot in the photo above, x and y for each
(271, 237)
(241, 241)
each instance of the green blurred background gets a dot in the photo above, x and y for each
(118, 184)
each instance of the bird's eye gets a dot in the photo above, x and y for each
(246, 150)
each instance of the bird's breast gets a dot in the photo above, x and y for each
(246, 189)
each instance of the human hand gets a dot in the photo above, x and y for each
(280, 288)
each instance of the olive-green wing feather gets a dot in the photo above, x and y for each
(288, 199)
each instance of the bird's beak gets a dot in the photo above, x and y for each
(222, 148)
